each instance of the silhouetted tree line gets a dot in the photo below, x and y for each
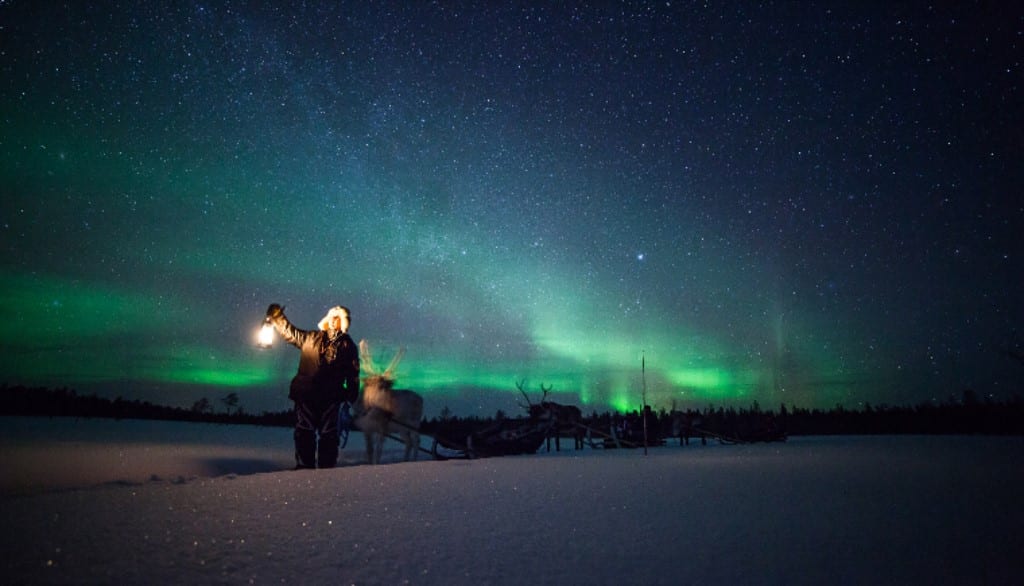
(968, 415)
(63, 402)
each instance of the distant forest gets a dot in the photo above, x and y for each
(967, 415)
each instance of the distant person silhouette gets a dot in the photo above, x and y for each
(328, 377)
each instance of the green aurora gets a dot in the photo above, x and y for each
(668, 205)
(100, 338)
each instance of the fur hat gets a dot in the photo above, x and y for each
(337, 310)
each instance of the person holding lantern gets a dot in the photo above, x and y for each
(328, 376)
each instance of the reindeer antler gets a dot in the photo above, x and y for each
(366, 359)
(545, 391)
(389, 372)
(367, 364)
(520, 385)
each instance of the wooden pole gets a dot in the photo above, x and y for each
(643, 395)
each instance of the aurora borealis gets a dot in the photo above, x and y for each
(791, 203)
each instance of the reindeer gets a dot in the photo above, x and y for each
(385, 408)
(565, 419)
(685, 424)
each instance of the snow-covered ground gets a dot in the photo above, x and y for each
(131, 502)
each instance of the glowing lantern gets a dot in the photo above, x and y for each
(266, 336)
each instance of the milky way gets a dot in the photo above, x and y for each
(784, 203)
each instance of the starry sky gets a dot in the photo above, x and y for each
(700, 203)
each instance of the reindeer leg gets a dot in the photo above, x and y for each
(415, 443)
(368, 437)
(408, 445)
(407, 439)
(378, 449)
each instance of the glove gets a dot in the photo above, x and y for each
(275, 311)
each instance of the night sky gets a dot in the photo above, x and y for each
(722, 203)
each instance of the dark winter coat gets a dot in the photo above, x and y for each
(326, 366)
